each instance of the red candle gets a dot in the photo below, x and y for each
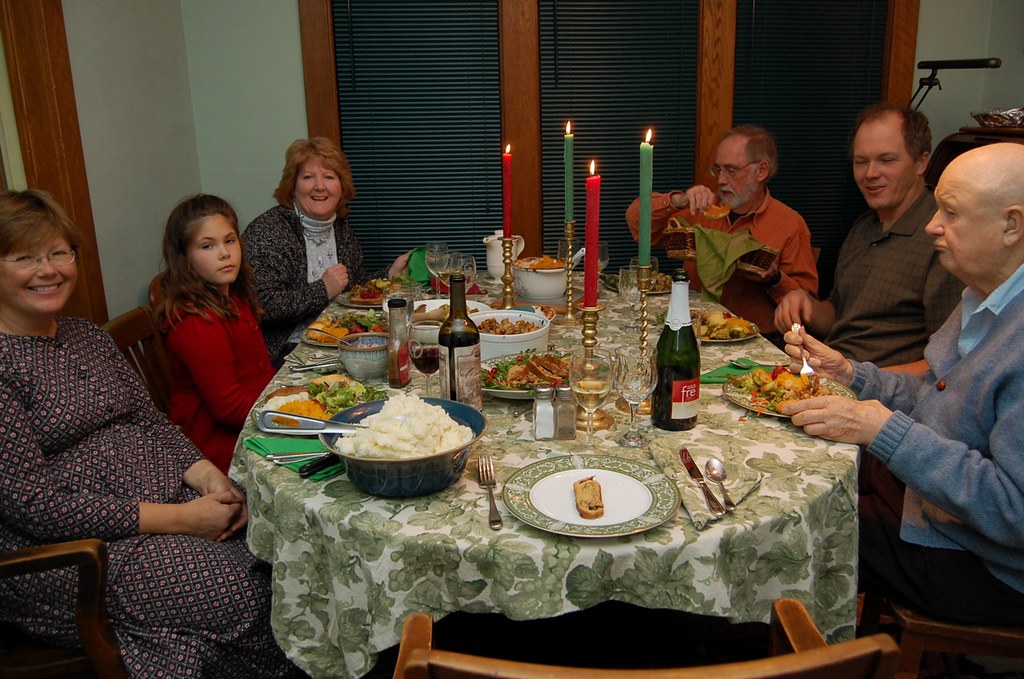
(593, 222)
(506, 191)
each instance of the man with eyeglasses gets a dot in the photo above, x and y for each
(891, 293)
(745, 161)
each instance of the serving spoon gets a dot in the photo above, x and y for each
(277, 422)
(716, 472)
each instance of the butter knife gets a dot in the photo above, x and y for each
(714, 506)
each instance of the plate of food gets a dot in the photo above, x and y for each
(662, 284)
(329, 328)
(437, 309)
(321, 398)
(766, 392)
(368, 294)
(590, 496)
(722, 326)
(514, 376)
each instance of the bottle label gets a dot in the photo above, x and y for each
(685, 398)
(460, 375)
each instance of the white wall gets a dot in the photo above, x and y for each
(245, 74)
(955, 29)
(176, 97)
(138, 133)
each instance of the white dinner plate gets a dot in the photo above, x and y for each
(636, 497)
(741, 397)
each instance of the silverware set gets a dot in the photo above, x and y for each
(485, 472)
(714, 505)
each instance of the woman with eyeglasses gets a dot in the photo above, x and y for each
(86, 454)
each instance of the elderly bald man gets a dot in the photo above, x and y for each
(942, 479)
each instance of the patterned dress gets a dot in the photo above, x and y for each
(81, 444)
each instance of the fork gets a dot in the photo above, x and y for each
(485, 471)
(806, 369)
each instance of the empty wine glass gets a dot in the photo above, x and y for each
(436, 258)
(630, 291)
(424, 349)
(635, 375)
(602, 255)
(590, 376)
(634, 263)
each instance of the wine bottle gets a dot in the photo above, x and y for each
(460, 349)
(675, 401)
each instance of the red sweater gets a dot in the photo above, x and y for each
(218, 370)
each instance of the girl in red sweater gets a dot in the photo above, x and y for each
(209, 311)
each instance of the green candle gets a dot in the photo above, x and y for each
(567, 159)
(646, 187)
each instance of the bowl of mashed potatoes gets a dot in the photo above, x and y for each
(411, 446)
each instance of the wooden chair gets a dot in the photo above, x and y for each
(156, 293)
(141, 342)
(798, 650)
(920, 634)
(21, 656)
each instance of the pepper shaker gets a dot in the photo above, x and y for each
(565, 413)
(543, 413)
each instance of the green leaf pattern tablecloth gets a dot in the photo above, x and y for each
(348, 568)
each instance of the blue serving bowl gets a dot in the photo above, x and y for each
(411, 476)
(365, 356)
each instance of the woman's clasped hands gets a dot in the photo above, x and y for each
(831, 417)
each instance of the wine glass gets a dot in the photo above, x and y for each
(602, 255)
(590, 376)
(453, 265)
(630, 291)
(635, 375)
(436, 258)
(634, 263)
(469, 270)
(424, 349)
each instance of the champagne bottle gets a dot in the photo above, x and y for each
(675, 401)
(460, 349)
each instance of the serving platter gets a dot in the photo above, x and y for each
(636, 497)
(509, 360)
(742, 398)
(755, 333)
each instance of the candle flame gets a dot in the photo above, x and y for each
(592, 163)
(648, 139)
(568, 127)
(508, 148)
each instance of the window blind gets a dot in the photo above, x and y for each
(420, 122)
(804, 71)
(615, 69)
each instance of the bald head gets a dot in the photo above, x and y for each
(995, 171)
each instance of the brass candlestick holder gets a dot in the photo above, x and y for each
(508, 297)
(643, 283)
(570, 309)
(590, 316)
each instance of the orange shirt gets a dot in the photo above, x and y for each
(772, 223)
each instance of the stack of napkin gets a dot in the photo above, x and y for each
(264, 445)
(717, 253)
(741, 483)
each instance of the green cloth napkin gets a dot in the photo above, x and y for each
(742, 481)
(721, 375)
(417, 264)
(717, 253)
(264, 445)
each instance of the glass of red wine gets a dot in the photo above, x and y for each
(423, 349)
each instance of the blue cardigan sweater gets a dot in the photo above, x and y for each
(956, 438)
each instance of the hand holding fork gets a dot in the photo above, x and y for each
(485, 472)
(806, 369)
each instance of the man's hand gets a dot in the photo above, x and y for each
(839, 419)
(796, 307)
(700, 198)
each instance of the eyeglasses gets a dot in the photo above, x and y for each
(32, 262)
(730, 170)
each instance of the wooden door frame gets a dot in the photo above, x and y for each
(39, 70)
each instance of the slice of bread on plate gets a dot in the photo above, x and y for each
(589, 503)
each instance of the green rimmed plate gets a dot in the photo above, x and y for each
(637, 497)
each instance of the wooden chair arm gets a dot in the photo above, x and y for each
(792, 629)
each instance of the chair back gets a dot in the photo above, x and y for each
(21, 656)
(156, 292)
(140, 340)
(792, 630)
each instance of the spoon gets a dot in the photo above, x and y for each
(276, 422)
(716, 472)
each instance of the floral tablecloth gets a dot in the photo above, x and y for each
(348, 567)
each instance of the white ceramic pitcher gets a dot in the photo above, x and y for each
(495, 265)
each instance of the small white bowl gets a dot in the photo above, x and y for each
(492, 346)
(540, 284)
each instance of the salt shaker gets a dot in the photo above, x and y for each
(565, 413)
(543, 413)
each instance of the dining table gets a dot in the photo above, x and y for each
(348, 567)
